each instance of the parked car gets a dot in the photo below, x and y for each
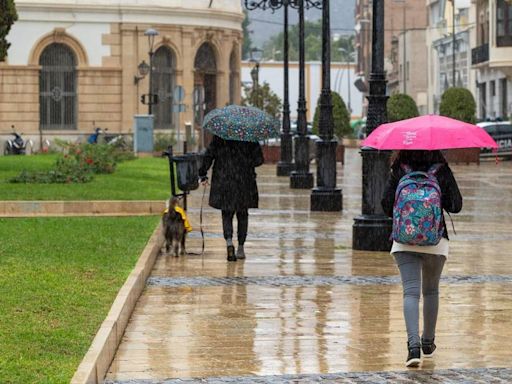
(501, 132)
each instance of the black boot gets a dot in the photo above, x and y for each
(231, 253)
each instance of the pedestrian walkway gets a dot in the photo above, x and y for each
(305, 307)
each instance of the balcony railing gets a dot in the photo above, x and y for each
(480, 54)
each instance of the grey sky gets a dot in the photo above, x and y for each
(265, 24)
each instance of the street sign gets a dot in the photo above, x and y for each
(178, 108)
(178, 93)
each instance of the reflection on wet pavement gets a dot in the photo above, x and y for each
(304, 303)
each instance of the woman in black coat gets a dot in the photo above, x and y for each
(421, 265)
(234, 189)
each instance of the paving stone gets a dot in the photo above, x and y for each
(447, 376)
(280, 281)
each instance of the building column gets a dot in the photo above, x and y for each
(223, 70)
(187, 75)
(130, 58)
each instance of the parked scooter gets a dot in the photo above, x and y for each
(113, 139)
(93, 138)
(16, 146)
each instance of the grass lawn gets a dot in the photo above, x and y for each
(142, 179)
(58, 279)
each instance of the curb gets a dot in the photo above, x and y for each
(97, 360)
(13, 208)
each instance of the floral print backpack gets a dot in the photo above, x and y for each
(417, 212)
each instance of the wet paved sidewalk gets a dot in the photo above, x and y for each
(305, 307)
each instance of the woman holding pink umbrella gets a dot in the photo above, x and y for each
(421, 261)
(420, 188)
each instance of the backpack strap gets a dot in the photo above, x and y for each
(453, 226)
(406, 168)
(434, 168)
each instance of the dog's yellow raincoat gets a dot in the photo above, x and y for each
(184, 216)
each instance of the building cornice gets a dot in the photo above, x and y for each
(31, 11)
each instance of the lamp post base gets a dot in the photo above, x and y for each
(326, 200)
(300, 180)
(371, 233)
(284, 168)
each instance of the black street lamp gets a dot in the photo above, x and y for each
(285, 165)
(326, 197)
(152, 99)
(301, 178)
(372, 229)
(256, 56)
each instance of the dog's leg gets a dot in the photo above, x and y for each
(175, 245)
(183, 239)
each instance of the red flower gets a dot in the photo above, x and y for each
(89, 161)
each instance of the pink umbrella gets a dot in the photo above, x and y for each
(429, 132)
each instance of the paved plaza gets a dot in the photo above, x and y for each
(305, 308)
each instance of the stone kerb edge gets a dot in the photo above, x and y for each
(97, 360)
(14, 208)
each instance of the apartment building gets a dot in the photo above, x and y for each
(491, 58)
(400, 17)
(449, 38)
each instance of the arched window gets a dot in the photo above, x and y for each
(205, 59)
(233, 77)
(164, 81)
(205, 67)
(57, 88)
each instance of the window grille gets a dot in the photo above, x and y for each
(164, 81)
(57, 88)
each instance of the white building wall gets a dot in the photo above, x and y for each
(25, 34)
(88, 20)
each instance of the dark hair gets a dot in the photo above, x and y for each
(416, 157)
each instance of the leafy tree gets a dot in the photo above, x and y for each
(400, 107)
(341, 47)
(8, 16)
(247, 43)
(340, 114)
(458, 103)
(262, 98)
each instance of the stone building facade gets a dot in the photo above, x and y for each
(491, 58)
(449, 40)
(400, 16)
(73, 64)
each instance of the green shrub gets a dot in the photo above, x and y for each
(163, 140)
(400, 107)
(340, 114)
(458, 103)
(77, 164)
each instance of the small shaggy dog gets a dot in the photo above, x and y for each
(174, 228)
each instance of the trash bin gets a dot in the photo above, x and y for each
(186, 171)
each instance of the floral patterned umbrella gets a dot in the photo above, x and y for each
(235, 122)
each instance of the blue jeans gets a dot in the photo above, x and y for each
(413, 267)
